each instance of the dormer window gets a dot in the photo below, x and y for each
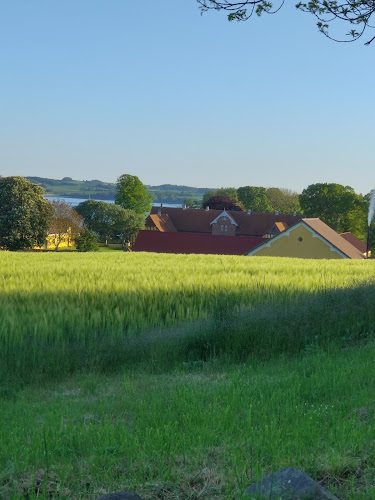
(224, 224)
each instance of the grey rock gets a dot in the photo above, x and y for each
(288, 484)
(121, 495)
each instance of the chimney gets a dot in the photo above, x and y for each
(183, 207)
(207, 208)
(294, 213)
(159, 210)
(249, 211)
(277, 212)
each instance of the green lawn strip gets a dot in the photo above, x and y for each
(201, 431)
(110, 249)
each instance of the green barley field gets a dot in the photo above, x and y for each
(184, 377)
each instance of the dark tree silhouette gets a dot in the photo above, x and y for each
(355, 13)
(222, 202)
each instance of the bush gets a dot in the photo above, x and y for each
(87, 242)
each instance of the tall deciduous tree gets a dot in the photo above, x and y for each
(25, 215)
(354, 14)
(192, 203)
(254, 198)
(221, 202)
(285, 201)
(66, 222)
(224, 191)
(338, 206)
(132, 194)
(110, 221)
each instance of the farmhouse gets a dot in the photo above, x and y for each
(216, 222)
(311, 239)
(179, 230)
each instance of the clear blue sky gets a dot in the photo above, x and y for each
(93, 89)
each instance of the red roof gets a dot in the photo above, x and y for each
(356, 242)
(155, 241)
(193, 220)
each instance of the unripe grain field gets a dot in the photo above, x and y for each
(183, 376)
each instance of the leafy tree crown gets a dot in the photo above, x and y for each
(25, 214)
(222, 202)
(132, 194)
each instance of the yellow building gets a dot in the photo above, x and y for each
(308, 239)
(60, 240)
(57, 240)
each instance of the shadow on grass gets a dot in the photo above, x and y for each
(39, 350)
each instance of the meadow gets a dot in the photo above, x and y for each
(183, 376)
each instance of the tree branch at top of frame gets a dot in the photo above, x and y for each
(356, 13)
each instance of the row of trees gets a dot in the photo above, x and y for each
(109, 221)
(257, 199)
(26, 217)
(338, 206)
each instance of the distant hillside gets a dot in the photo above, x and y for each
(169, 193)
(70, 188)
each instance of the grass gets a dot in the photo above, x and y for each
(67, 312)
(110, 249)
(183, 376)
(200, 431)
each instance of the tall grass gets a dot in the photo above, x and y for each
(60, 313)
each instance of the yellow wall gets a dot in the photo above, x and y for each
(66, 242)
(288, 246)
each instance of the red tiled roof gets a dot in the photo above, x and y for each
(193, 220)
(356, 242)
(155, 241)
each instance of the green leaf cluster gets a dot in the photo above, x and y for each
(338, 206)
(355, 12)
(25, 215)
(254, 198)
(88, 241)
(131, 194)
(110, 221)
(257, 199)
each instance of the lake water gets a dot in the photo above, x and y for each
(75, 201)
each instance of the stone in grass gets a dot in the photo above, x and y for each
(121, 495)
(289, 484)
